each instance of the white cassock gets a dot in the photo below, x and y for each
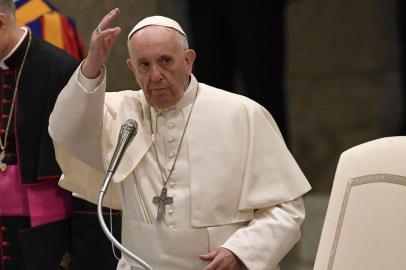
(235, 184)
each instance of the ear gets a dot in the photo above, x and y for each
(190, 57)
(3, 21)
(130, 64)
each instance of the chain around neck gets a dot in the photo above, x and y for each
(3, 145)
(165, 181)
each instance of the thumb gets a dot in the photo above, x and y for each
(209, 256)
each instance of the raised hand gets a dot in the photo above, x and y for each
(101, 43)
(222, 259)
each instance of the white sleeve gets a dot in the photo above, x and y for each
(269, 236)
(88, 85)
(76, 121)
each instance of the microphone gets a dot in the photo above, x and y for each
(126, 135)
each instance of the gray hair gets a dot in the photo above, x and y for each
(182, 40)
(8, 7)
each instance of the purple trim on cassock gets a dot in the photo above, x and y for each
(48, 203)
(44, 203)
(13, 199)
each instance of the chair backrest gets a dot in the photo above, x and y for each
(365, 224)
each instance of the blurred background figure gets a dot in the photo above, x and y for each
(47, 22)
(38, 218)
(34, 210)
(241, 45)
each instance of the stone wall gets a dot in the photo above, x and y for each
(344, 89)
(342, 79)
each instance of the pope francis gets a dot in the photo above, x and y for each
(232, 191)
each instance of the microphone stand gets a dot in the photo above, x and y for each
(103, 190)
(127, 133)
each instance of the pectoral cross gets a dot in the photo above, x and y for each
(3, 165)
(162, 200)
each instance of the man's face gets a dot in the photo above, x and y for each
(3, 35)
(161, 65)
(10, 33)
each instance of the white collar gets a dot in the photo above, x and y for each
(3, 65)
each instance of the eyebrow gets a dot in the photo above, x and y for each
(139, 60)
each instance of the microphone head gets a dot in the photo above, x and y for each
(130, 128)
(126, 135)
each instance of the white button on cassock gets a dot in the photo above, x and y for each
(171, 139)
(171, 155)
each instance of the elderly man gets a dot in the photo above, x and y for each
(235, 189)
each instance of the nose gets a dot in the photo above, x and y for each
(156, 73)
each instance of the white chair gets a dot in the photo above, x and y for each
(365, 224)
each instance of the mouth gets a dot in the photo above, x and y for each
(159, 89)
(159, 92)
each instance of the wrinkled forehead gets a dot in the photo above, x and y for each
(153, 41)
(157, 21)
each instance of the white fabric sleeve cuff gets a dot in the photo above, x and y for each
(89, 85)
(269, 236)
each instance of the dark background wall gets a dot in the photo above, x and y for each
(342, 80)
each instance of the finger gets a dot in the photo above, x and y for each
(100, 47)
(111, 33)
(106, 21)
(211, 266)
(105, 38)
(114, 35)
(208, 256)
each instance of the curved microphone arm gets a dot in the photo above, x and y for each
(126, 135)
(106, 231)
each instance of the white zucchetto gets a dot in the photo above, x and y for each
(157, 20)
